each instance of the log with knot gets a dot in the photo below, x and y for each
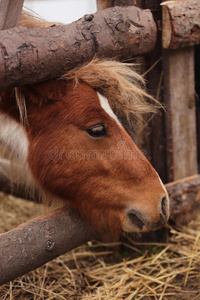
(30, 55)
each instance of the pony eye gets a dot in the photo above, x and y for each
(97, 131)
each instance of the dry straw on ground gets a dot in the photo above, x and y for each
(129, 270)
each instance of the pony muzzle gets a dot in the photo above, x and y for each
(139, 221)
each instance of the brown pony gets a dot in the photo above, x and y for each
(66, 135)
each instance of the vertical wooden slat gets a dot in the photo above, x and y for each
(180, 117)
(153, 135)
(10, 12)
(197, 88)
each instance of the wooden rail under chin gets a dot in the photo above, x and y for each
(40, 240)
(44, 238)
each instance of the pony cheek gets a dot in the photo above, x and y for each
(106, 221)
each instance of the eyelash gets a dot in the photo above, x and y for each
(97, 131)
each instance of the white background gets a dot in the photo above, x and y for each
(64, 11)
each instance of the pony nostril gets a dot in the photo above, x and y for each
(163, 215)
(135, 220)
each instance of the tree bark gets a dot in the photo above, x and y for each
(184, 196)
(30, 55)
(181, 23)
(40, 240)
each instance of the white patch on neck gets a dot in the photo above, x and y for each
(106, 106)
(13, 136)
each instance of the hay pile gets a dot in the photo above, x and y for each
(127, 270)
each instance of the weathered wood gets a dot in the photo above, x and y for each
(152, 137)
(40, 240)
(30, 55)
(185, 199)
(10, 12)
(181, 23)
(197, 89)
(180, 116)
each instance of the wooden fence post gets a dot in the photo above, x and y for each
(180, 118)
(179, 89)
(154, 134)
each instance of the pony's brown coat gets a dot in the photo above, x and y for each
(95, 175)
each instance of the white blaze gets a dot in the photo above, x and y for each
(106, 106)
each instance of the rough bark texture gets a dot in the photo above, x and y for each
(180, 117)
(30, 55)
(185, 199)
(40, 240)
(181, 23)
(10, 11)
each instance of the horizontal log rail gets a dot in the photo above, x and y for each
(181, 23)
(42, 239)
(30, 55)
(184, 197)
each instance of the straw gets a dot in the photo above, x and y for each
(114, 271)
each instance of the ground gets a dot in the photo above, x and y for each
(167, 267)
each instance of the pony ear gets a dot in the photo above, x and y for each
(43, 92)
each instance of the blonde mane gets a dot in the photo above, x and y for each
(118, 82)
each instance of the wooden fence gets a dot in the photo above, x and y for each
(171, 139)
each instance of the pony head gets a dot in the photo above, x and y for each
(78, 151)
